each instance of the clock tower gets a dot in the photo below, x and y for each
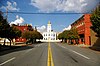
(49, 27)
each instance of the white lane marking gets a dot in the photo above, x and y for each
(81, 54)
(28, 50)
(75, 52)
(38, 45)
(31, 49)
(7, 61)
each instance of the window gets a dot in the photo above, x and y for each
(48, 34)
(53, 38)
(53, 34)
(24, 29)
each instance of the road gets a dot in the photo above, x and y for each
(51, 54)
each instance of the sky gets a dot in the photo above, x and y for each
(61, 13)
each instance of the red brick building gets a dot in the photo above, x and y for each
(83, 25)
(23, 28)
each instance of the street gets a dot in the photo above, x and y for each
(49, 32)
(58, 55)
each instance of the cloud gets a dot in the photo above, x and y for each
(18, 20)
(11, 6)
(68, 28)
(41, 28)
(64, 5)
(61, 25)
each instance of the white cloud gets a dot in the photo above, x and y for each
(11, 6)
(41, 28)
(64, 5)
(68, 28)
(18, 20)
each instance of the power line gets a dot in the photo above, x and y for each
(45, 13)
(6, 10)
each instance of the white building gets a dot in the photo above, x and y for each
(49, 35)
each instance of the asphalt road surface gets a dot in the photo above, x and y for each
(51, 54)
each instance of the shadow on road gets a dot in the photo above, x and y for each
(8, 49)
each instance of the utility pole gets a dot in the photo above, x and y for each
(6, 13)
(6, 19)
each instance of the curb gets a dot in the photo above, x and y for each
(96, 48)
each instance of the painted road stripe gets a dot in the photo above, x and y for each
(75, 52)
(50, 59)
(80, 54)
(28, 50)
(7, 61)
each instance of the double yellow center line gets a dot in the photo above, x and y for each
(50, 59)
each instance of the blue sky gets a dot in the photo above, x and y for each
(59, 21)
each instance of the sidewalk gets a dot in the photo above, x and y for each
(88, 46)
(7, 47)
(95, 48)
(83, 45)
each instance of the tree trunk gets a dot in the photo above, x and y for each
(10, 43)
(62, 40)
(65, 40)
(35, 40)
(4, 42)
(32, 41)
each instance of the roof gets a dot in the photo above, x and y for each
(49, 22)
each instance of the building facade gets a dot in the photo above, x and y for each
(83, 25)
(23, 28)
(49, 35)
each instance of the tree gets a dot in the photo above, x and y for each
(60, 36)
(13, 33)
(30, 28)
(64, 35)
(39, 35)
(7, 31)
(95, 19)
(73, 35)
(68, 35)
(31, 36)
(4, 27)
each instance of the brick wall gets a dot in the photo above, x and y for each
(83, 25)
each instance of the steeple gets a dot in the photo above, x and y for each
(49, 22)
(49, 27)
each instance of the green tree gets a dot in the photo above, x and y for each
(4, 27)
(30, 28)
(73, 34)
(95, 19)
(31, 36)
(68, 35)
(64, 35)
(60, 36)
(39, 35)
(13, 33)
(7, 31)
